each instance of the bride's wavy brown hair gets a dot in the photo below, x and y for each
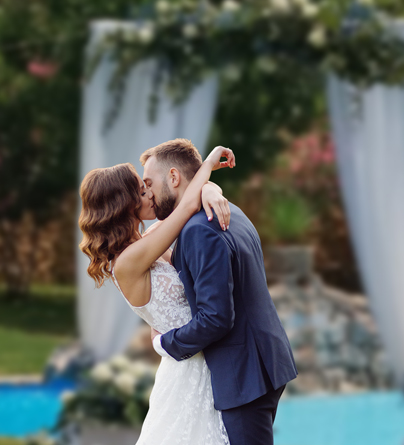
(109, 217)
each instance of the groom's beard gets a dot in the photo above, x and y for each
(164, 207)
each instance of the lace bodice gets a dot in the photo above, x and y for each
(168, 307)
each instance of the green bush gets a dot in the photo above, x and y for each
(286, 218)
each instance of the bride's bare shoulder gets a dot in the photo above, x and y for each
(133, 284)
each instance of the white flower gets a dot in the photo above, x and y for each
(317, 37)
(146, 33)
(281, 6)
(190, 31)
(310, 11)
(119, 362)
(66, 396)
(231, 72)
(230, 6)
(102, 373)
(266, 64)
(139, 369)
(307, 8)
(125, 382)
(162, 6)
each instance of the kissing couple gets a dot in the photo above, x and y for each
(226, 358)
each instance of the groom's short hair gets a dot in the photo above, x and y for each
(179, 153)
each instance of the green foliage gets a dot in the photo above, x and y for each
(41, 53)
(286, 218)
(271, 57)
(309, 166)
(254, 111)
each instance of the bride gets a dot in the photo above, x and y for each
(115, 203)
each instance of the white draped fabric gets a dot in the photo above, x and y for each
(105, 323)
(368, 130)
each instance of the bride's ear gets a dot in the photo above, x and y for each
(174, 177)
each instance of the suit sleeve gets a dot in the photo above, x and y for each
(209, 261)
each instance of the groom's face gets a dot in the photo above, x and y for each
(156, 182)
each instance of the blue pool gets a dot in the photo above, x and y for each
(28, 408)
(372, 418)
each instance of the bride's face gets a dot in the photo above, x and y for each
(147, 211)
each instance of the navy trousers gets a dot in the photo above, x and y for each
(251, 424)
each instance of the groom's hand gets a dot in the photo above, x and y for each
(154, 333)
(156, 340)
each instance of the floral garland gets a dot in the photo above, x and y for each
(192, 39)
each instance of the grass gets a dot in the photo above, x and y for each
(10, 441)
(32, 328)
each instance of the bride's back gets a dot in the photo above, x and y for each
(168, 307)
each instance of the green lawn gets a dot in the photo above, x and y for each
(9, 441)
(32, 328)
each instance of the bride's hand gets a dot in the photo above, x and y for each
(221, 152)
(212, 198)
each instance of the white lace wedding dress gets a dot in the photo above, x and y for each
(181, 404)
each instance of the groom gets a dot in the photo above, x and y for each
(234, 321)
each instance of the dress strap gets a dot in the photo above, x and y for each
(120, 290)
(115, 280)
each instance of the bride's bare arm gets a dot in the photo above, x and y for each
(214, 186)
(145, 251)
(212, 198)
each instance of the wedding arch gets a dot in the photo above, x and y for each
(193, 42)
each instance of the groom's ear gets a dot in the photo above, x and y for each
(174, 177)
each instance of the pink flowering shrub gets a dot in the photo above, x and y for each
(310, 165)
(42, 69)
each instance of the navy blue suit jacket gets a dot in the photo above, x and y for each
(234, 319)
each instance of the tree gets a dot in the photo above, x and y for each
(41, 66)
